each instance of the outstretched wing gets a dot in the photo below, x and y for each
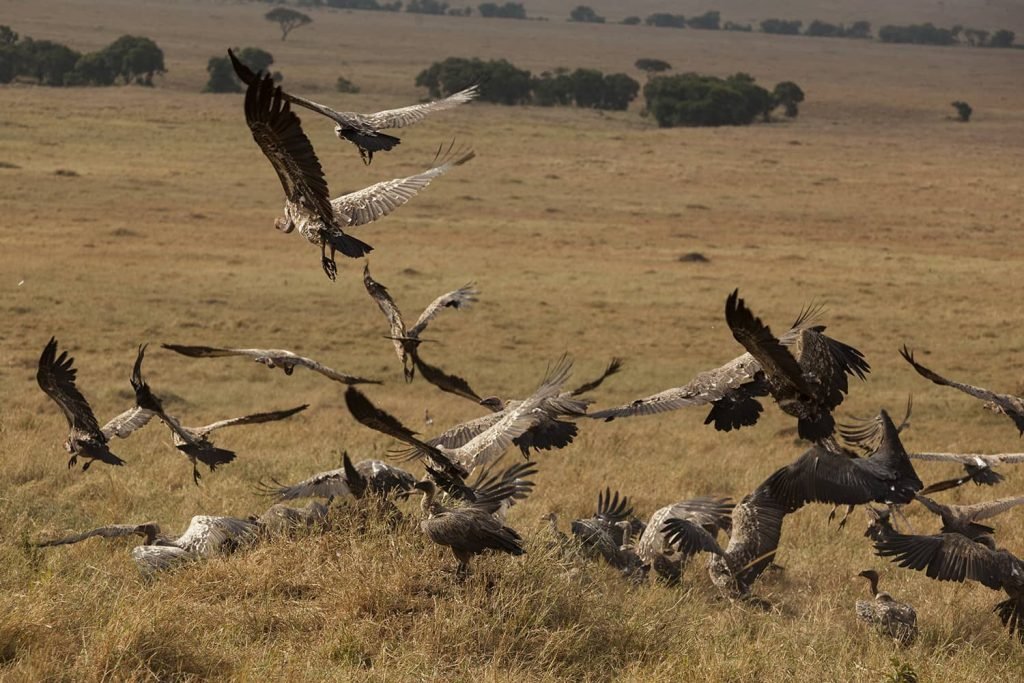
(757, 338)
(406, 116)
(866, 433)
(830, 362)
(389, 308)
(254, 418)
(56, 377)
(944, 557)
(278, 132)
(211, 351)
(127, 423)
(378, 200)
(452, 384)
(613, 367)
(459, 298)
(689, 538)
(112, 531)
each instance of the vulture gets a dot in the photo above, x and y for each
(467, 530)
(364, 130)
(278, 132)
(896, 620)
(508, 486)
(407, 340)
(272, 358)
(366, 477)
(955, 557)
(653, 548)
(978, 468)
(963, 519)
(1007, 404)
(603, 532)
(808, 382)
(56, 377)
(550, 432)
(205, 537)
(281, 519)
(827, 474)
(481, 450)
(753, 541)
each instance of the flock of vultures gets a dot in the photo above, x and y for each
(466, 497)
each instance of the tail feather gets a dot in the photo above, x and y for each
(348, 245)
(379, 142)
(815, 430)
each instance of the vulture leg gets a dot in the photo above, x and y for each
(72, 461)
(832, 514)
(897, 512)
(329, 266)
(195, 473)
(86, 465)
(842, 522)
(366, 155)
(462, 571)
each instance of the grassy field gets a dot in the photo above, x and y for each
(902, 222)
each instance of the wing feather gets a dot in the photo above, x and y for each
(56, 377)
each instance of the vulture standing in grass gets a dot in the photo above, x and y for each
(272, 358)
(733, 389)
(278, 132)
(468, 530)
(1007, 404)
(653, 548)
(955, 557)
(407, 340)
(978, 468)
(282, 519)
(963, 519)
(364, 130)
(86, 439)
(808, 382)
(896, 620)
(205, 537)
(479, 451)
(603, 532)
(753, 541)
(508, 486)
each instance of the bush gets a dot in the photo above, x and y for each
(652, 66)
(552, 89)
(781, 26)
(918, 34)
(663, 20)
(789, 95)
(708, 21)
(585, 14)
(135, 59)
(222, 76)
(255, 58)
(371, 5)
(963, 111)
(510, 10)
(45, 61)
(733, 26)
(823, 30)
(859, 29)
(631, 21)
(499, 81)
(426, 7)
(92, 69)
(694, 100)
(346, 86)
(1002, 38)
(619, 91)
(456, 12)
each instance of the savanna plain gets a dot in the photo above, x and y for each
(904, 224)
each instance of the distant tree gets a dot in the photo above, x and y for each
(136, 59)
(919, 34)
(255, 58)
(346, 86)
(665, 20)
(587, 88)
(823, 29)
(631, 21)
(552, 88)
(584, 14)
(756, 100)
(1002, 38)
(733, 26)
(426, 7)
(510, 10)
(619, 91)
(46, 61)
(288, 19)
(456, 12)
(652, 66)
(781, 26)
(500, 81)
(963, 111)
(789, 95)
(222, 76)
(859, 29)
(93, 68)
(694, 100)
(976, 37)
(7, 35)
(708, 21)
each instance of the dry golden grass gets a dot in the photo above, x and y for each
(906, 225)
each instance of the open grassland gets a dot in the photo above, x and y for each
(904, 224)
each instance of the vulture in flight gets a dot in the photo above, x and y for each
(963, 519)
(978, 467)
(365, 130)
(731, 389)
(56, 377)
(1007, 404)
(278, 132)
(272, 358)
(407, 340)
(653, 547)
(807, 382)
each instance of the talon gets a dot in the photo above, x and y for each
(330, 267)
